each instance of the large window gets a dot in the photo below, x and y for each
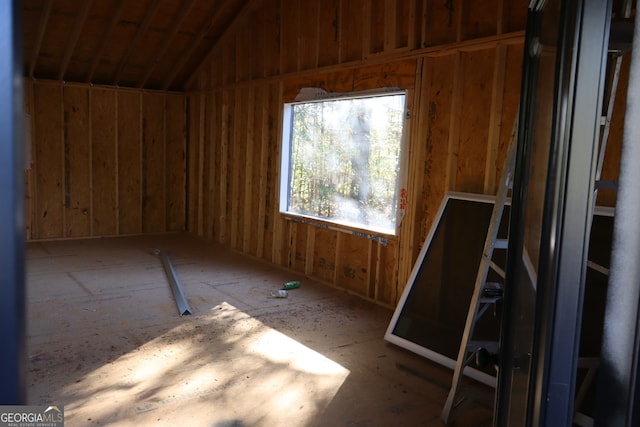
(341, 160)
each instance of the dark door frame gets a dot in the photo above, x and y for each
(567, 213)
(12, 309)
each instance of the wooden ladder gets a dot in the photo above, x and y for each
(480, 299)
(479, 303)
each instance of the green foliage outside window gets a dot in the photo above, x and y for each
(344, 160)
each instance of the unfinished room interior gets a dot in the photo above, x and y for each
(321, 212)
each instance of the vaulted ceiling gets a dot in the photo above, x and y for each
(151, 44)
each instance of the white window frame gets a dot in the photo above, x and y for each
(285, 162)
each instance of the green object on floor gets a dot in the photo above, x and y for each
(291, 285)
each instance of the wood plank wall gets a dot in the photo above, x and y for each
(460, 65)
(110, 161)
(105, 161)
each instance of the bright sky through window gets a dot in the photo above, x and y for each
(341, 160)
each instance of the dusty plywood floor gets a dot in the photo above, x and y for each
(106, 341)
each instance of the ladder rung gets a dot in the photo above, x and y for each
(489, 300)
(606, 185)
(597, 267)
(501, 244)
(492, 290)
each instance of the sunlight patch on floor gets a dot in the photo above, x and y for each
(225, 365)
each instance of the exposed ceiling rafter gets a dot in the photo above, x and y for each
(186, 8)
(42, 26)
(105, 39)
(150, 44)
(73, 40)
(204, 29)
(248, 6)
(141, 31)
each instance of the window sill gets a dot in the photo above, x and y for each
(376, 236)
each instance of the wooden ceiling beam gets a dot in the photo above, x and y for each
(204, 29)
(44, 19)
(105, 39)
(186, 9)
(248, 6)
(75, 35)
(141, 31)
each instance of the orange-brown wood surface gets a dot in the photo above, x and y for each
(110, 161)
(77, 155)
(460, 97)
(103, 161)
(106, 161)
(48, 161)
(153, 163)
(129, 160)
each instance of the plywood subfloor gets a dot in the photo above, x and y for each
(106, 341)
